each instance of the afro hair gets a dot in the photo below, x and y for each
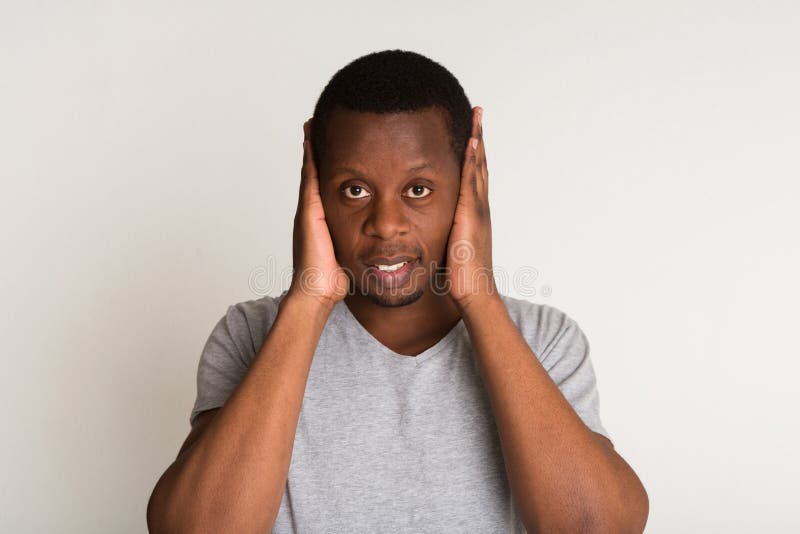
(394, 81)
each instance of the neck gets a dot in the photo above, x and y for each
(410, 329)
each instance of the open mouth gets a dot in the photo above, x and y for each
(391, 268)
(393, 274)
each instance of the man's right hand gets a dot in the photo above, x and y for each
(316, 272)
(222, 480)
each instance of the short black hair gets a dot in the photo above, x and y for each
(394, 81)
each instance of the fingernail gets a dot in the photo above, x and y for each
(474, 143)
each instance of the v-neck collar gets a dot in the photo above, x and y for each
(410, 361)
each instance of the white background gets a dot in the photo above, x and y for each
(643, 159)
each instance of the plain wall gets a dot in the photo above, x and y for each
(643, 159)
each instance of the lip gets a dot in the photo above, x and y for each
(388, 261)
(393, 278)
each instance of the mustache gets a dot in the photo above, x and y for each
(390, 252)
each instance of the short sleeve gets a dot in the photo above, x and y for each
(563, 350)
(567, 361)
(223, 362)
(230, 350)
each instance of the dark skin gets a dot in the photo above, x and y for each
(232, 469)
(389, 186)
(563, 476)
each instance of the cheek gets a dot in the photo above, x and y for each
(340, 231)
(446, 222)
(435, 230)
(337, 225)
(344, 230)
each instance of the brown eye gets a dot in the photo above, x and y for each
(417, 191)
(354, 188)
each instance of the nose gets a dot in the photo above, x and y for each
(387, 218)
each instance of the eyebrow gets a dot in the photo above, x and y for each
(420, 167)
(355, 172)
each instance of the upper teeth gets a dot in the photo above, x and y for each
(391, 267)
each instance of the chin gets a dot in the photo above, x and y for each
(391, 299)
(388, 295)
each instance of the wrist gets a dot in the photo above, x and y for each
(476, 302)
(315, 303)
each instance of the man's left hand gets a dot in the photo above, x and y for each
(469, 248)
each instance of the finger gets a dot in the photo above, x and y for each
(477, 133)
(483, 164)
(477, 130)
(475, 174)
(308, 153)
(306, 171)
(480, 152)
(303, 174)
(469, 172)
(309, 180)
(481, 140)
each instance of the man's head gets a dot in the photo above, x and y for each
(388, 135)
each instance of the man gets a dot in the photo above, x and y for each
(391, 388)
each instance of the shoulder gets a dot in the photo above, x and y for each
(544, 326)
(256, 312)
(563, 349)
(248, 322)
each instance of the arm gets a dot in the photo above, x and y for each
(563, 476)
(230, 476)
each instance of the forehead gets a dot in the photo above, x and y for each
(395, 139)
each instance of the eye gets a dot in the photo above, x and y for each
(416, 189)
(357, 188)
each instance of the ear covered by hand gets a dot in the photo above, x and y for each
(317, 274)
(469, 248)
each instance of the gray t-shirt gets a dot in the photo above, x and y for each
(393, 443)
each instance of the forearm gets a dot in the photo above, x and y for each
(232, 479)
(562, 477)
